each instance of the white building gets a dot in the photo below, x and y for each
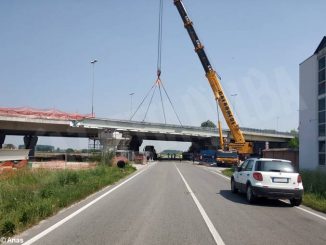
(312, 110)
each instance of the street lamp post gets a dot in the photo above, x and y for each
(131, 94)
(93, 84)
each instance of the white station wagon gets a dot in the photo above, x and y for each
(271, 178)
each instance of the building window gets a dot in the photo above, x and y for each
(321, 104)
(321, 63)
(322, 151)
(321, 117)
(322, 159)
(321, 75)
(321, 130)
(321, 88)
(322, 146)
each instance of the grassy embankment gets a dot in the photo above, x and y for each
(315, 189)
(28, 196)
(314, 183)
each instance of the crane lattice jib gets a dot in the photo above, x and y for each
(214, 81)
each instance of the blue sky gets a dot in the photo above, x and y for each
(255, 45)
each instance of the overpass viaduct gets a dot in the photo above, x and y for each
(134, 131)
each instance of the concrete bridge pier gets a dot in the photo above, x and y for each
(135, 143)
(2, 139)
(204, 144)
(30, 142)
(124, 142)
(111, 139)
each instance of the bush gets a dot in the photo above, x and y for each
(68, 177)
(95, 157)
(104, 158)
(8, 229)
(107, 158)
(314, 182)
(24, 218)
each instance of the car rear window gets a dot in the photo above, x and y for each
(274, 166)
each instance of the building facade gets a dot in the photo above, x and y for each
(312, 110)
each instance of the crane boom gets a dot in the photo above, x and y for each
(214, 80)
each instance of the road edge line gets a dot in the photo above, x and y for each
(78, 211)
(312, 213)
(217, 238)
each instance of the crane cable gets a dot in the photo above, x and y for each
(159, 87)
(159, 62)
(158, 83)
(141, 103)
(159, 39)
(175, 112)
(159, 54)
(149, 104)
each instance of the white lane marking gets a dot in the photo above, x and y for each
(212, 229)
(223, 176)
(302, 209)
(61, 222)
(312, 213)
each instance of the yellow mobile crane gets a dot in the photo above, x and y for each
(239, 144)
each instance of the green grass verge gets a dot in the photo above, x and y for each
(28, 196)
(315, 201)
(228, 172)
(314, 183)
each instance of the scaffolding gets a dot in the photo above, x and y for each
(41, 113)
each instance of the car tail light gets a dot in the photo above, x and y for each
(299, 180)
(257, 176)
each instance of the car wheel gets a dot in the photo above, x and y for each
(233, 188)
(296, 202)
(250, 196)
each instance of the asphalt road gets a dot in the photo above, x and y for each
(157, 207)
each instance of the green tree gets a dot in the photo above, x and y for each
(294, 143)
(208, 124)
(9, 146)
(70, 150)
(294, 132)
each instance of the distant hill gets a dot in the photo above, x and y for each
(171, 152)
